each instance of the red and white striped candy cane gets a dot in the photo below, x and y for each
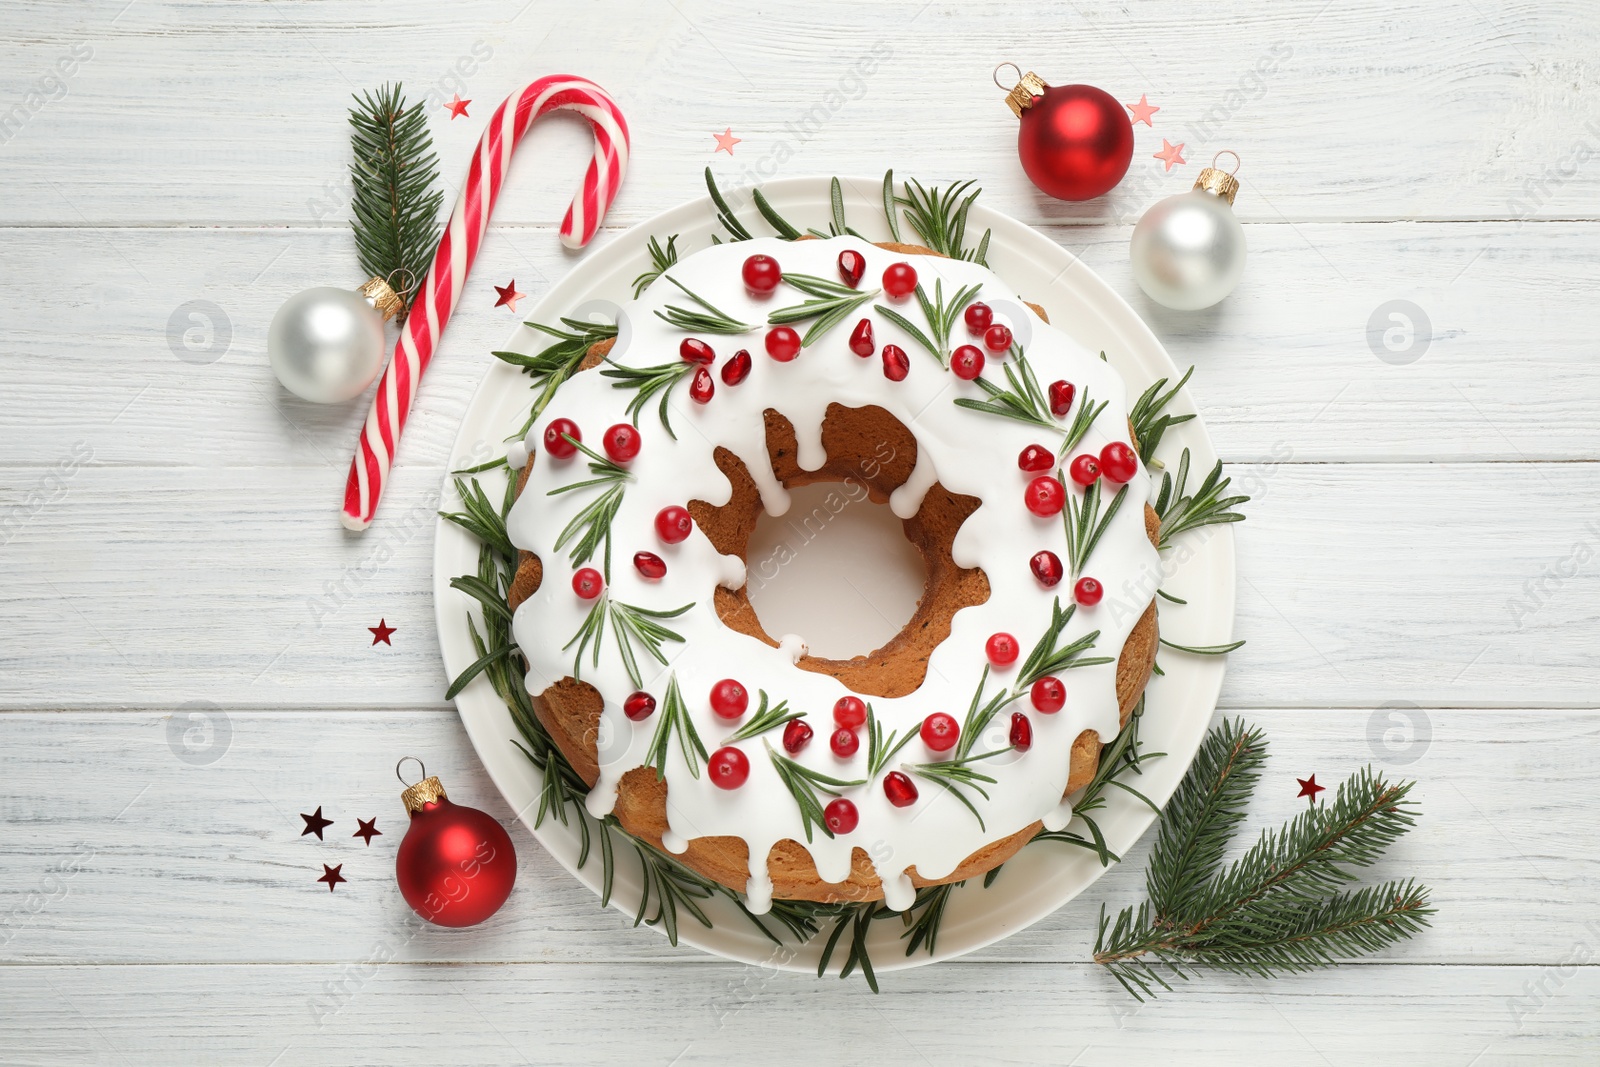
(441, 287)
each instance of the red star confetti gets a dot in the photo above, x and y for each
(331, 875)
(508, 295)
(314, 823)
(457, 106)
(368, 831)
(1170, 153)
(1309, 787)
(1143, 110)
(381, 632)
(725, 141)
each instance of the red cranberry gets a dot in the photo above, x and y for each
(796, 736)
(940, 731)
(694, 350)
(728, 768)
(852, 265)
(673, 524)
(1048, 695)
(840, 816)
(895, 364)
(639, 706)
(1061, 395)
(650, 565)
(702, 388)
(997, 338)
(622, 442)
(1036, 458)
(1021, 732)
(1002, 649)
(555, 438)
(899, 280)
(966, 362)
(1045, 496)
(1088, 592)
(849, 712)
(1118, 462)
(736, 369)
(1084, 469)
(761, 275)
(1046, 567)
(844, 743)
(729, 699)
(978, 317)
(587, 583)
(861, 339)
(783, 344)
(900, 789)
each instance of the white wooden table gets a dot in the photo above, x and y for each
(1418, 575)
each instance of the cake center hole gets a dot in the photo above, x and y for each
(837, 570)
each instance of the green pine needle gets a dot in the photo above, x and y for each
(395, 203)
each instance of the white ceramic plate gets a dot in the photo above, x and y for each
(1042, 877)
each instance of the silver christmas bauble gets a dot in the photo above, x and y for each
(326, 345)
(1188, 251)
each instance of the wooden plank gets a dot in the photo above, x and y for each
(124, 846)
(1486, 102)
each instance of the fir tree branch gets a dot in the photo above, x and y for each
(395, 202)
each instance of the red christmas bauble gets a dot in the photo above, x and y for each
(1075, 141)
(456, 864)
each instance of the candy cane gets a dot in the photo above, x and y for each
(441, 287)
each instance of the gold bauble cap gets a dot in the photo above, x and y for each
(428, 791)
(1220, 182)
(1020, 96)
(383, 297)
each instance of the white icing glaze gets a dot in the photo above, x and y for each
(968, 452)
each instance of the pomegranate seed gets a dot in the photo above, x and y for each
(1118, 462)
(900, 789)
(796, 736)
(940, 732)
(1048, 695)
(1045, 496)
(1021, 732)
(852, 265)
(840, 816)
(895, 364)
(966, 362)
(694, 350)
(1036, 458)
(1001, 649)
(639, 706)
(783, 344)
(978, 317)
(1047, 568)
(1084, 469)
(702, 388)
(673, 524)
(622, 442)
(861, 339)
(1088, 592)
(650, 565)
(997, 338)
(728, 768)
(849, 712)
(761, 275)
(844, 743)
(587, 583)
(736, 369)
(555, 438)
(729, 699)
(899, 280)
(1061, 395)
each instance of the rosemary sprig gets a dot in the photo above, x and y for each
(1181, 512)
(775, 220)
(940, 219)
(725, 215)
(660, 259)
(674, 721)
(591, 526)
(1122, 756)
(1088, 411)
(939, 315)
(709, 319)
(880, 748)
(1204, 650)
(830, 305)
(1023, 401)
(633, 625)
(978, 718)
(764, 719)
(553, 365)
(649, 382)
(922, 924)
(1049, 658)
(957, 775)
(480, 519)
(804, 784)
(889, 210)
(1149, 424)
(836, 226)
(1083, 531)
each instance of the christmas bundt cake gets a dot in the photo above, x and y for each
(748, 369)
